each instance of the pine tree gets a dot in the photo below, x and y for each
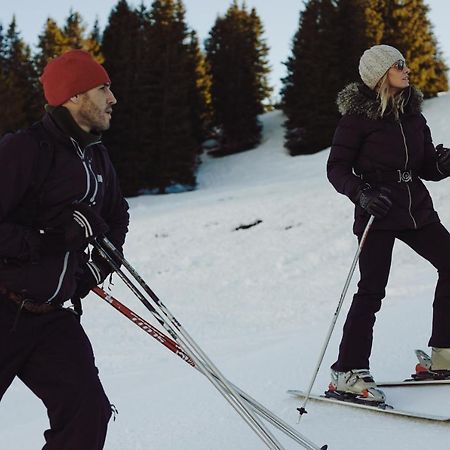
(171, 144)
(155, 65)
(122, 47)
(352, 37)
(313, 80)
(262, 67)
(2, 49)
(376, 14)
(200, 90)
(405, 25)
(237, 55)
(74, 30)
(92, 43)
(51, 43)
(3, 81)
(18, 95)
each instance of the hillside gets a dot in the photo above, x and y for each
(259, 301)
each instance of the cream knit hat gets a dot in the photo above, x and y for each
(376, 61)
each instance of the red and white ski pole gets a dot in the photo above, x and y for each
(175, 348)
(186, 342)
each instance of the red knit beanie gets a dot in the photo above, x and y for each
(72, 73)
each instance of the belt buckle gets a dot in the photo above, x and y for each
(404, 176)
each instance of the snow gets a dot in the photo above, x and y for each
(259, 301)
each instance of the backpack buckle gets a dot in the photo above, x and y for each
(404, 176)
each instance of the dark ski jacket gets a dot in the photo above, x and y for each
(80, 171)
(384, 152)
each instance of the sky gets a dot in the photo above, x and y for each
(280, 19)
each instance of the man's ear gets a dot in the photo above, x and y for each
(75, 99)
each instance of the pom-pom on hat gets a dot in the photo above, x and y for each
(376, 61)
(72, 73)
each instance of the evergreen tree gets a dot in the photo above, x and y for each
(51, 43)
(352, 37)
(2, 48)
(3, 82)
(376, 14)
(74, 30)
(171, 144)
(155, 65)
(18, 94)
(405, 25)
(122, 47)
(200, 89)
(260, 52)
(313, 80)
(237, 56)
(92, 43)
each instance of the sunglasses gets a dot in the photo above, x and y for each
(399, 65)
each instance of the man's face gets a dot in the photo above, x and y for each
(95, 108)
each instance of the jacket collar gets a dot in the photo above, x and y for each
(61, 123)
(358, 99)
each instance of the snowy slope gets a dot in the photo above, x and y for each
(260, 302)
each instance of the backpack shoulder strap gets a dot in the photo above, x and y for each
(44, 161)
(30, 205)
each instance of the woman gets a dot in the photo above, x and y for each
(381, 150)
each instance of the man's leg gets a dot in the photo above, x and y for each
(15, 347)
(61, 372)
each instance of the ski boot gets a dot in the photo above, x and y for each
(436, 367)
(356, 385)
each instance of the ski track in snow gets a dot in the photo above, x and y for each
(259, 301)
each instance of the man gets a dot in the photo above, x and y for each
(45, 228)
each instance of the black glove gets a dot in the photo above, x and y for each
(91, 275)
(84, 226)
(79, 225)
(374, 201)
(443, 159)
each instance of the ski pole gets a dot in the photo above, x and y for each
(302, 409)
(175, 348)
(172, 325)
(144, 325)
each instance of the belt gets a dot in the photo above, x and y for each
(27, 304)
(399, 176)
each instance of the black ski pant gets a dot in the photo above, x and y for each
(52, 356)
(432, 242)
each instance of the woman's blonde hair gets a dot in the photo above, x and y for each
(396, 103)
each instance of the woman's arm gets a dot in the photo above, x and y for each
(430, 170)
(345, 148)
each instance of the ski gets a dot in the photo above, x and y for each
(383, 408)
(412, 382)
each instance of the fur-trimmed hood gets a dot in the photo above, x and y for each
(358, 99)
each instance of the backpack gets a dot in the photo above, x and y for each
(27, 212)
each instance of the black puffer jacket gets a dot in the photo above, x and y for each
(80, 171)
(367, 148)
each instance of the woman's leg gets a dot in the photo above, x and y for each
(374, 266)
(433, 243)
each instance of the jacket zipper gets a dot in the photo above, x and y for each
(87, 168)
(406, 167)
